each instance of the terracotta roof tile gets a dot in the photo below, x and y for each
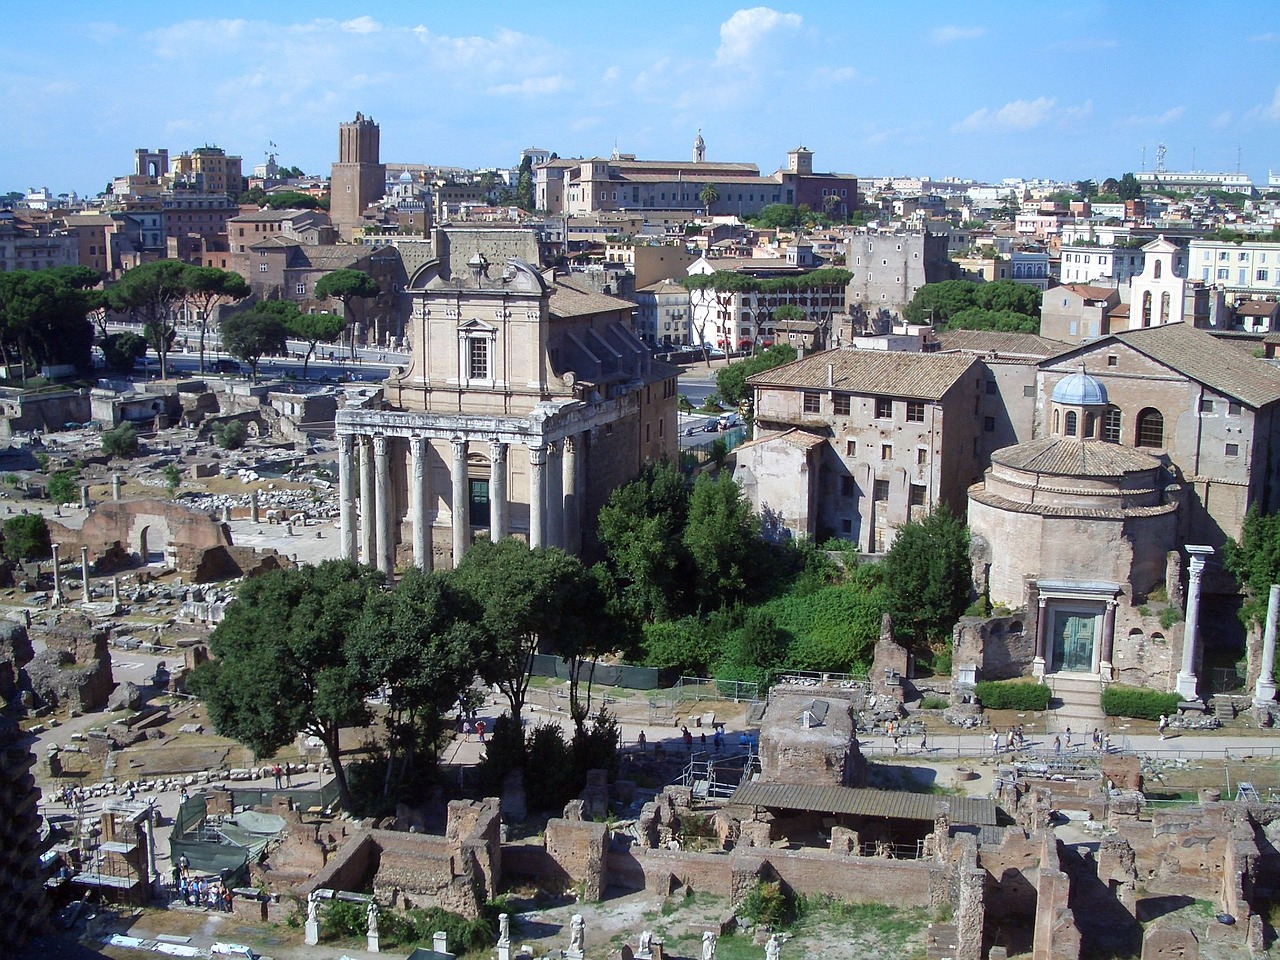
(1200, 356)
(989, 341)
(925, 376)
(1067, 456)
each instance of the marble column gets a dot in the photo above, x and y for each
(1105, 669)
(386, 548)
(499, 525)
(461, 502)
(555, 494)
(1038, 662)
(115, 590)
(115, 486)
(537, 497)
(1264, 688)
(57, 574)
(253, 506)
(347, 495)
(84, 496)
(1187, 680)
(84, 574)
(368, 539)
(418, 496)
(572, 488)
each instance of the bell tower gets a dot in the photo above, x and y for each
(699, 149)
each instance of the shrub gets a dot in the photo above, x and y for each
(26, 537)
(121, 442)
(230, 435)
(767, 905)
(1169, 616)
(933, 703)
(1139, 703)
(1016, 695)
(64, 486)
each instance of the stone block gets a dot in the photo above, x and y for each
(1170, 943)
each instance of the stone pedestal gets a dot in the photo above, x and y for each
(373, 944)
(311, 933)
(504, 951)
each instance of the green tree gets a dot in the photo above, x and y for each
(1087, 189)
(1128, 188)
(1254, 560)
(345, 286)
(151, 290)
(708, 196)
(64, 486)
(731, 381)
(172, 478)
(779, 216)
(524, 185)
(938, 303)
(286, 661)
(122, 442)
(723, 538)
(641, 526)
(927, 577)
(421, 639)
(207, 287)
(314, 328)
(529, 599)
(291, 200)
(231, 434)
(122, 351)
(44, 317)
(26, 537)
(258, 331)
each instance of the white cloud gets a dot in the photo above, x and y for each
(834, 74)
(365, 24)
(1015, 115)
(610, 75)
(1087, 43)
(743, 32)
(1266, 38)
(531, 87)
(1078, 113)
(177, 41)
(1156, 119)
(1222, 120)
(951, 33)
(1271, 111)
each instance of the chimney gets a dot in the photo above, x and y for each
(831, 374)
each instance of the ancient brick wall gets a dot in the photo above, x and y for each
(578, 847)
(1056, 936)
(1013, 870)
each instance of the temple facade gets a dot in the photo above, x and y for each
(526, 401)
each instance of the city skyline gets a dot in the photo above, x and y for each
(983, 91)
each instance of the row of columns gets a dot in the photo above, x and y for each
(87, 596)
(367, 529)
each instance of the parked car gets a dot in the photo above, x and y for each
(224, 365)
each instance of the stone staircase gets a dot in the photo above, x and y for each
(1081, 703)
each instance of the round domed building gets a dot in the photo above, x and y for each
(1075, 525)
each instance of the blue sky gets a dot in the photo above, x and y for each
(983, 90)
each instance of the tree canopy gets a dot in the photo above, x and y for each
(344, 286)
(963, 304)
(206, 288)
(723, 538)
(731, 381)
(44, 316)
(284, 660)
(312, 329)
(927, 577)
(151, 290)
(261, 330)
(26, 537)
(1255, 562)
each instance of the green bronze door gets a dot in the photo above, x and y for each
(1073, 635)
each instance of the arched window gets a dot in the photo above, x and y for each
(1071, 424)
(1057, 420)
(1150, 428)
(1111, 425)
(1146, 309)
(1159, 266)
(1088, 432)
(1164, 307)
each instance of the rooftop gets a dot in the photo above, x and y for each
(1068, 456)
(1201, 357)
(925, 376)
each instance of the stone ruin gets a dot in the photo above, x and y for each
(74, 669)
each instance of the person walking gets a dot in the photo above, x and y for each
(1162, 726)
(481, 726)
(924, 743)
(1057, 744)
(278, 774)
(995, 740)
(688, 740)
(642, 740)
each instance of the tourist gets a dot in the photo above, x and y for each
(1162, 725)
(642, 740)
(995, 740)
(481, 726)
(924, 743)
(688, 740)
(278, 774)
(718, 739)
(1057, 744)
(1068, 740)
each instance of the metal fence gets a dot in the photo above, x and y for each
(702, 452)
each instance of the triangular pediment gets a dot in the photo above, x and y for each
(477, 325)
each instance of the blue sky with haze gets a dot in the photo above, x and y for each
(983, 90)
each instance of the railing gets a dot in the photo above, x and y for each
(892, 851)
(716, 778)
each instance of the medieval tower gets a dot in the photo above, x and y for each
(358, 178)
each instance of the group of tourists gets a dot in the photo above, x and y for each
(208, 893)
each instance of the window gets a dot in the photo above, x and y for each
(989, 424)
(262, 268)
(886, 451)
(915, 411)
(1111, 425)
(881, 490)
(917, 495)
(840, 403)
(884, 408)
(1261, 275)
(1072, 420)
(1029, 390)
(1150, 431)
(302, 289)
(1206, 405)
(1233, 449)
(851, 448)
(1222, 274)
(477, 358)
(846, 486)
(812, 402)
(1242, 256)
(1233, 409)
(992, 389)
(1112, 360)
(846, 526)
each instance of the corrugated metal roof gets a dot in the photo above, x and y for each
(858, 801)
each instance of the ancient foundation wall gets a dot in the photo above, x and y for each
(1056, 936)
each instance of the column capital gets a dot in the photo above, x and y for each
(497, 451)
(1042, 600)
(459, 446)
(418, 444)
(346, 441)
(380, 444)
(538, 455)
